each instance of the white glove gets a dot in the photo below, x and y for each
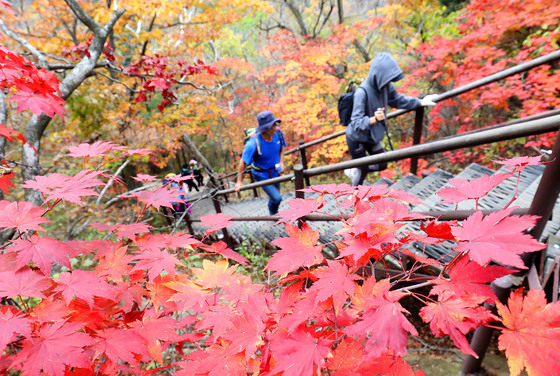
(428, 100)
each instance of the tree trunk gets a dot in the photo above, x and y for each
(200, 157)
(35, 128)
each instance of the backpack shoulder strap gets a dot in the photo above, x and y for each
(257, 143)
(366, 107)
(281, 138)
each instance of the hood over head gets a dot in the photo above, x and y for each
(383, 69)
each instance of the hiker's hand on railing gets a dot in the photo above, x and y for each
(238, 186)
(378, 116)
(428, 100)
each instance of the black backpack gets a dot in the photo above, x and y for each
(346, 104)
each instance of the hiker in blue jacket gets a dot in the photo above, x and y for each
(367, 125)
(264, 153)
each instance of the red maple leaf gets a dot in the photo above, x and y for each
(388, 365)
(38, 103)
(299, 354)
(373, 193)
(216, 360)
(78, 247)
(115, 264)
(519, 163)
(138, 151)
(456, 316)
(531, 337)
(23, 282)
(154, 329)
(49, 310)
(218, 318)
(12, 323)
(52, 348)
(144, 178)
(469, 277)
(497, 237)
(124, 231)
(182, 289)
(64, 187)
(11, 135)
(155, 262)
(84, 285)
(298, 250)
(119, 344)
(6, 182)
(438, 230)
(158, 198)
(247, 327)
(361, 248)
(21, 216)
(221, 248)
(333, 189)
(346, 357)
(474, 189)
(300, 208)
(166, 241)
(383, 322)
(98, 148)
(43, 251)
(333, 281)
(215, 274)
(216, 222)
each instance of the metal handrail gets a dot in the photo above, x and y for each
(534, 127)
(486, 136)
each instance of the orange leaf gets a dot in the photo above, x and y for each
(531, 338)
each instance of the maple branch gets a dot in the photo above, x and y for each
(117, 81)
(70, 66)
(42, 61)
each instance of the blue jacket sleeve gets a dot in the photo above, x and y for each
(359, 120)
(249, 151)
(397, 100)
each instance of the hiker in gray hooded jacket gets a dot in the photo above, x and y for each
(367, 125)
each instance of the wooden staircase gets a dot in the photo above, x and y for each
(424, 188)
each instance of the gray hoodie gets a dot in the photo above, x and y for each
(383, 71)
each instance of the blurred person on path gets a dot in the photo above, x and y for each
(264, 152)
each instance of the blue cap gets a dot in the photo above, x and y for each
(266, 121)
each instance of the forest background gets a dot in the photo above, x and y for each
(177, 76)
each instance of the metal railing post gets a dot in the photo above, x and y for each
(222, 186)
(218, 209)
(482, 335)
(298, 180)
(303, 158)
(255, 192)
(417, 137)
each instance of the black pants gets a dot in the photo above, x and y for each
(191, 184)
(359, 150)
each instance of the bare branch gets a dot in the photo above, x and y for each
(116, 81)
(83, 16)
(298, 16)
(38, 55)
